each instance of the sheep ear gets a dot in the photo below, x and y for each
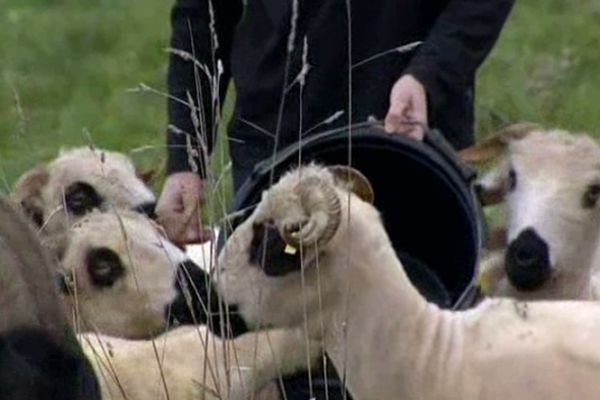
(355, 181)
(28, 192)
(496, 144)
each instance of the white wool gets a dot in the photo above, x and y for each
(190, 363)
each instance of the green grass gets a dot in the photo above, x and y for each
(69, 64)
(66, 67)
(544, 68)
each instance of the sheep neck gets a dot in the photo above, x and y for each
(379, 318)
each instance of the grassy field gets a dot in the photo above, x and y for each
(66, 67)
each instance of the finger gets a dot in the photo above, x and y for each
(194, 232)
(192, 227)
(172, 224)
(416, 132)
(169, 205)
(396, 114)
(400, 125)
(391, 123)
(419, 111)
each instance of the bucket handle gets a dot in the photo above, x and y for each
(434, 139)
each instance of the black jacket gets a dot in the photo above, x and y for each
(254, 46)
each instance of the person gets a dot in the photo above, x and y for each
(299, 67)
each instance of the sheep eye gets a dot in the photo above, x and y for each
(591, 195)
(512, 179)
(81, 198)
(104, 266)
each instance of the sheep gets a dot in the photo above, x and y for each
(39, 354)
(190, 363)
(329, 265)
(121, 276)
(78, 180)
(41, 357)
(550, 181)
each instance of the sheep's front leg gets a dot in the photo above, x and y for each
(258, 358)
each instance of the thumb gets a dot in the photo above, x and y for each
(396, 114)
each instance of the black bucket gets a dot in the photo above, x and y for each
(424, 193)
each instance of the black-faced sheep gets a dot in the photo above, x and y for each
(189, 363)
(78, 181)
(350, 289)
(548, 181)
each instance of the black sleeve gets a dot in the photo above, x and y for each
(192, 32)
(460, 40)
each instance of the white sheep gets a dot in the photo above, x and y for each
(549, 183)
(122, 277)
(77, 181)
(190, 363)
(376, 328)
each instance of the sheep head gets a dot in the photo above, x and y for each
(301, 214)
(122, 277)
(549, 180)
(57, 194)
(292, 230)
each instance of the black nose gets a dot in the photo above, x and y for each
(528, 261)
(147, 209)
(197, 302)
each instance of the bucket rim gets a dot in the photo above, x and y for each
(448, 167)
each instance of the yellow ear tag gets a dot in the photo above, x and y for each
(291, 250)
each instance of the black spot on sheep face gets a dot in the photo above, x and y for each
(81, 198)
(528, 261)
(270, 252)
(197, 302)
(147, 209)
(104, 267)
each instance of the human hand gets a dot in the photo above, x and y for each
(178, 209)
(408, 108)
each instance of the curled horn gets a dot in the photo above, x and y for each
(355, 181)
(321, 203)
